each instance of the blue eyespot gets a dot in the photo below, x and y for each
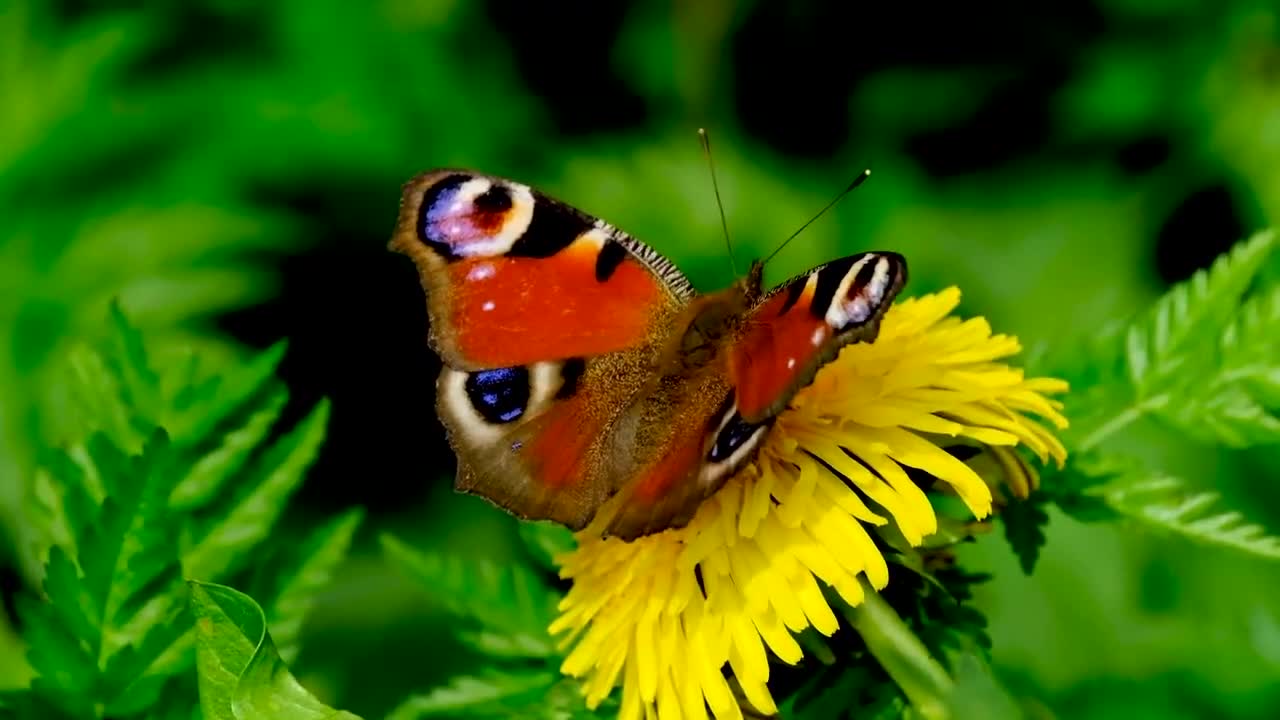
(731, 437)
(500, 396)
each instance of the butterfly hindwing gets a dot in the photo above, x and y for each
(514, 277)
(802, 324)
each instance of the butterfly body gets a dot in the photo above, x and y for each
(584, 376)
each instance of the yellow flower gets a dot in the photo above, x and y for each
(664, 614)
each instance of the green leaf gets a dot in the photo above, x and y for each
(214, 469)
(1166, 503)
(498, 694)
(511, 606)
(1024, 522)
(295, 577)
(1170, 339)
(207, 406)
(241, 677)
(243, 522)
(1180, 359)
(1235, 404)
(546, 541)
(116, 630)
(117, 607)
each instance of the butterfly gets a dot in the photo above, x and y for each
(584, 375)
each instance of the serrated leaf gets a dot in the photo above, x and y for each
(128, 556)
(224, 542)
(226, 395)
(75, 608)
(510, 604)
(1174, 369)
(240, 674)
(212, 471)
(97, 395)
(65, 669)
(293, 580)
(1236, 404)
(139, 384)
(1024, 522)
(1169, 338)
(1167, 503)
(111, 604)
(493, 694)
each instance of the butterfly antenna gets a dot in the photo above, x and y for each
(715, 187)
(862, 177)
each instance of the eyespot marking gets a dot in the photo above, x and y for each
(732, 436)
(467, 216)
(499, 396)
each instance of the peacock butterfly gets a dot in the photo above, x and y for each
(581, 366)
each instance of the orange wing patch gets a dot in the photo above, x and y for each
(804, 323)
(559, 442)
(780, 338)
(518, 310)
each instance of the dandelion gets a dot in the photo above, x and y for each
(663, 615)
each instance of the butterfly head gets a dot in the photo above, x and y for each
(752, 284)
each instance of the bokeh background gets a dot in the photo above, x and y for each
(231, 171)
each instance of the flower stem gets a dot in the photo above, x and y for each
(922, 679)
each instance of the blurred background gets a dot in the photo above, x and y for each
(231, 171)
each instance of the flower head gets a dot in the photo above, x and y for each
(664, 614)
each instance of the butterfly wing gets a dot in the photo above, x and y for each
(802, 324)
(547, 321)
(514, 277)
(710, 423)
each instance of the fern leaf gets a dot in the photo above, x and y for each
(214, 469)
(203, 407)
(224, 543)
(296, 576)
(1169, 504)
(511, 606)
(1251, 355)
(1169, 339)
(114, 609)
(494, 694)
(1165, 503)
(139, 384)
(1234, 402)
(1200, 360)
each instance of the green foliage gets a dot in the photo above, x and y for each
(1024, 524)
(99, 202)
(1169, 504)
(1203, 361)
(505, 612)
(241, 675)
(110, 611)
(111, 633)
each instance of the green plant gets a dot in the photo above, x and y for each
(185, 471)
